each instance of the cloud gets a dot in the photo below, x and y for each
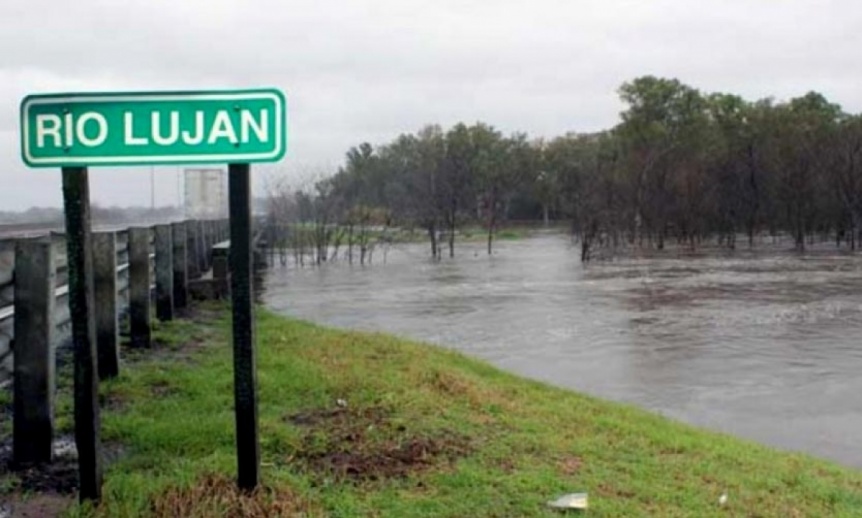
(359, 71)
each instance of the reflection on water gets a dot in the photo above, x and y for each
(764, 345)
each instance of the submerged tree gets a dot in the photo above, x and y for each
(681, 166)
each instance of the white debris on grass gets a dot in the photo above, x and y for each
(570, 501)
(64, 447)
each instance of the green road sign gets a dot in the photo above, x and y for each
(91, 129)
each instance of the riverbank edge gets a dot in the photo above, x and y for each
(360, 424)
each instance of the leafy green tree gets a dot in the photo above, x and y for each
(661, 132)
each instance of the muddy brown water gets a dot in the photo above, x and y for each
(764, 345)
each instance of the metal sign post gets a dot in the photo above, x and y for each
(76, 198)
(76, 131)
(242, 297)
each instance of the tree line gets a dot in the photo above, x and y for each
(681, 165)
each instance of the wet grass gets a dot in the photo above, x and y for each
(355, 424)
(470, 234)
(5, 412)
(479, 234)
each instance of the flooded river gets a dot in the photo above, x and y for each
(766, 346)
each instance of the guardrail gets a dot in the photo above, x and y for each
(133, 269)
(192, 240)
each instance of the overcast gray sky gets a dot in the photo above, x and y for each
(368, 70)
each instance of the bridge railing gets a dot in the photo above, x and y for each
(183, 254)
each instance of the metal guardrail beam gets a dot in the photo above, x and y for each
(9, 311)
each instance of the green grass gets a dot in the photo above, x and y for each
(510, 234)
(491, 444)
(474, 233)
(471, 233)
(5, 405)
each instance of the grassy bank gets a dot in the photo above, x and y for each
(421, 431)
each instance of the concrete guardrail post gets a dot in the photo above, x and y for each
(208, 243)
(33, 371)
(180, 262)
(139, 286)
(202, 248)
(164, 273)
(105, 289)
(192, 250)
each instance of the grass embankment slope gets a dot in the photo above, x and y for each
(425, 432)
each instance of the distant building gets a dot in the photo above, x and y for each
(205, 194)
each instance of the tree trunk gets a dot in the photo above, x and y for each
(363, 242)
(432, 235)
(800, 238)
(452, 236)
(755, 193)
(350, 243)
(492, 222)
(751, 234)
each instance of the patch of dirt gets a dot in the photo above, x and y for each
(507, 466)
(365, 445)
(188, 350)
(451, 385)
(216, 495)
(162, 389)
(59, 477)
(185, 352)
(158, 344)
(673, 451)
(113, 402)
(36, 506)
(315, 417)
(387, 460)
(454, 385)
(183, 312)
(136, 354)
(341, 417)
(201, 337)
(160, 349)
(570, 465)
(200, 313)
(609, 490)
(204, 315)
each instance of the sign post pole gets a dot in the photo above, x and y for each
(242, 297)
(76, 198)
